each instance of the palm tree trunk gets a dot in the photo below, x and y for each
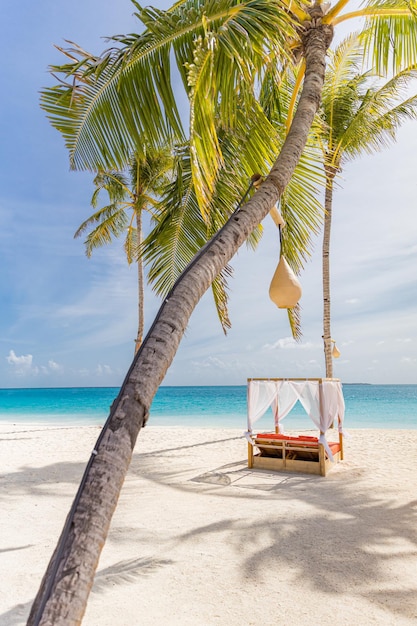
(63, 594)
(328, 200)
(141, 287)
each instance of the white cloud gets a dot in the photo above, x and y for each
(352, 301)
(288, 343)
(103, 370)
(408, 360)
(25, 361)
(212, 362)
(22, 364)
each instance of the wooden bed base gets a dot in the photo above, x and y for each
(293, 455)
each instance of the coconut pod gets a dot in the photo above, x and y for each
(285, 289)
(335, 352)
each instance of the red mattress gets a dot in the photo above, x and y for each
(302, 440)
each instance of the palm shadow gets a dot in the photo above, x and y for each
(349, 537)
(340, 542)
(125, 572)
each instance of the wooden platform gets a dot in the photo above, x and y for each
(292, 454)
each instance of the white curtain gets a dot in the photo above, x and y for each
(287, 398)
(280, 395)
(323, 402)
(333, 405)
(261, 394)
(309, 396)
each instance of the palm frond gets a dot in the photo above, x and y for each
(339, 95)
(294, 319)
(149, 173)
(301, 209)
(390, 34)
(112, 223)
(381, 112)
(206, 158)
(179, 230)
(114, 183)
(106, 106)
(99, 216)
(131, 245)
(151, 169)
(219, 289)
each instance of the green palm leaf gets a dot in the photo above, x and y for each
(111, 221)
(105, 107)
(382, 112)
(391, 34)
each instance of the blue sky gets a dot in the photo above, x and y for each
(70, 321)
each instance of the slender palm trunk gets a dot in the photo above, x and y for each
(328, 200)
(64, 591)
(141, 287)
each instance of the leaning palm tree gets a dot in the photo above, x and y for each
(149, 175)
(125, 98)
(359, 115)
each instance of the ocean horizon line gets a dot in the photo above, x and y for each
(197, 386)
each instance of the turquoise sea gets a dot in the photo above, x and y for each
(367, 406)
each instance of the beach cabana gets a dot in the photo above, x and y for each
(322, 399)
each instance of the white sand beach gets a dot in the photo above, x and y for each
(198, 539)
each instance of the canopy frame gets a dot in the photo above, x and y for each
(322, 399)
